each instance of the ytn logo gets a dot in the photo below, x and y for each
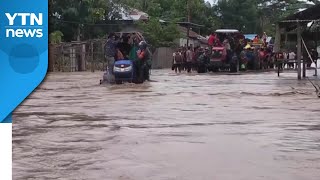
(30, 25)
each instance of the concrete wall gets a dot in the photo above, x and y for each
(183, 42)
(162, 58)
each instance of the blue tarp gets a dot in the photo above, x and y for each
(252, 36)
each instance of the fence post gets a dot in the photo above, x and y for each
(51, 57)
(82, 66)
(92, 58)
(71, 58)
(299, 49)
(62, 63)
(103, 55)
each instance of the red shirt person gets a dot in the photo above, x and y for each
(211, 39)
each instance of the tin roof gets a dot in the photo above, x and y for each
(303, 17)
(227, 31)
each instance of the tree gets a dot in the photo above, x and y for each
(239, 14)
(272, 11)
(73, 17)
(56, 37)
(78, 19)
(160, 34)
(201, 12)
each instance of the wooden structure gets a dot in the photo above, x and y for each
(162, 58)
(297, 23)
(189, 26)
(77, 56)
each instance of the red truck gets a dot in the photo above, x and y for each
(221, 59)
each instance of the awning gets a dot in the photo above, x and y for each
(252, 36)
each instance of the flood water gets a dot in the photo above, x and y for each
(181, 127)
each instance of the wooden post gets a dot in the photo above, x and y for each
(299, 50)
(103, 56)
(52, 50)
(71, 58)
(188, 30)
(304, 69)
(83, 58)
(63, 60)
(277, 39)
(188, 33)
(316, 61)
(286, 40)
(92, 58)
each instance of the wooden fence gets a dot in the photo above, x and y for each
(77, 56)
(89, 56)
(162, 58)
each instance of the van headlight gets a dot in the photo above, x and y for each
(128, 68)
(117, 69)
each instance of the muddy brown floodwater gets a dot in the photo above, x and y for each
(181, 127)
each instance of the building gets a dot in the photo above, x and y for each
(195, 39)
(299, 26)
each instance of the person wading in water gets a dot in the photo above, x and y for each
(189, 59)
(111, 54)
(177, 61)
(143, 57)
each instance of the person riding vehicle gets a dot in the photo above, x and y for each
(203, 60)
(124, 47)
(142, 63)
(111, 54)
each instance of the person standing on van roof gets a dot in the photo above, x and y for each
(111, 48)
(135, 47)
(264, 38)
(256, 39)
(211, 39)
(124, 46)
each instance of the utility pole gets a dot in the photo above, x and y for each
(188, 26)
(299, 53)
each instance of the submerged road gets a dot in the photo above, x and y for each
(182, 127)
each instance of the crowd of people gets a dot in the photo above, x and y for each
(188, 58)
(128, 46)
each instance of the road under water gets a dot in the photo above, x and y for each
(181, 127)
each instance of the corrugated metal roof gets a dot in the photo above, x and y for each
(132, 14)
(226, 31)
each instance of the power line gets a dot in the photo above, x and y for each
(307, 20)
(91, 24)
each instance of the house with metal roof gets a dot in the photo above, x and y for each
(304, 26)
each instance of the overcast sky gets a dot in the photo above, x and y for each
(211, 1)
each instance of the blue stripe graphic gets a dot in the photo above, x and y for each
(8, 119)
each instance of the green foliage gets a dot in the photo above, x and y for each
(56, 37)
(158, 34)
(201, 12)
(77, 19)
(73, 17)
(239, 14)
